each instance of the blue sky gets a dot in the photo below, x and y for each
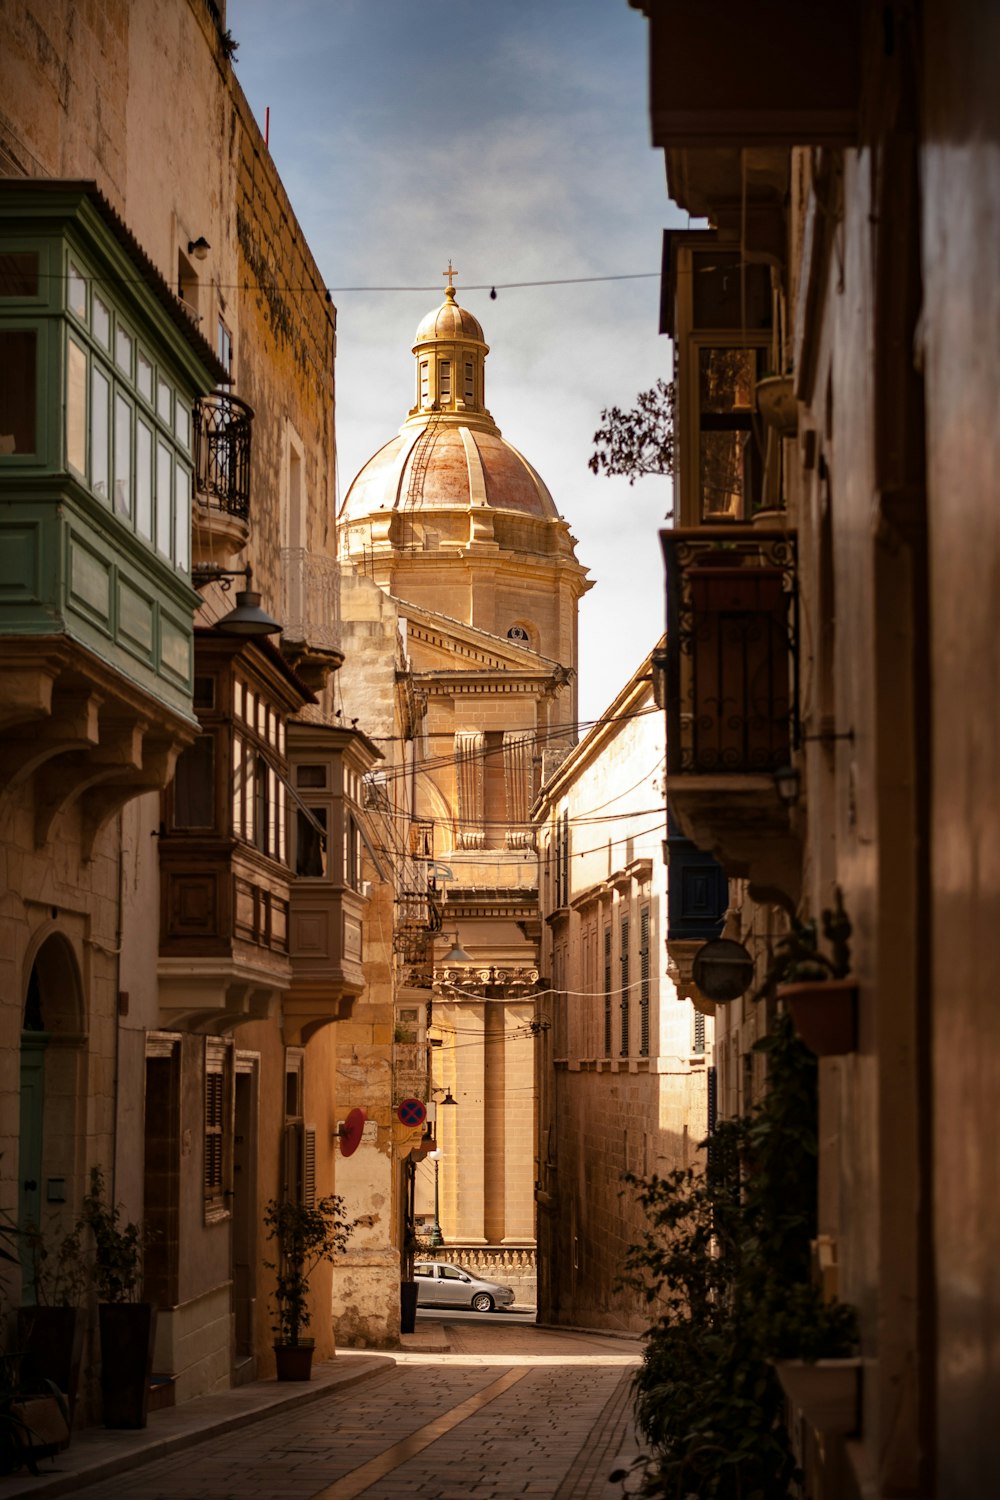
(513, 137)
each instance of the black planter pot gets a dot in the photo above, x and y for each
(51, 1343)
(127, 1330)
(294, 1361)
(407, 1306)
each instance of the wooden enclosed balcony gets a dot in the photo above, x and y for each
(732, 694)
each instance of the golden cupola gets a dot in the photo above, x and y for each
(448, 477)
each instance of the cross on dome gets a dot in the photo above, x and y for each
(451, 273)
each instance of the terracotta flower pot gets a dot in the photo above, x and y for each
(825, 1012)
(294, 1361)
(828, 1392)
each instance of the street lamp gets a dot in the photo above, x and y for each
(436, 1237)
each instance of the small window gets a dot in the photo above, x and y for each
(224, 346)
(204, 693)
(310, 776)
(123, 457)
(18, 366)
(310, 842)
(101, 322)
(294, 1104)
(194, 784)
(144, 480)
(76, 292)
(182, 425)
(163, 398)
(76, 407)
(99, 416)
(470, 381)
(144, 378)
(424, 382)
(452, 1273)
(426, 1271)
(445, 379)
(164, 517)
(182, 516)
(19, 273)
(123, 350)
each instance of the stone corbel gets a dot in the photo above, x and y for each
(71, 725)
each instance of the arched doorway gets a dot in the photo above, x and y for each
(49, 1128)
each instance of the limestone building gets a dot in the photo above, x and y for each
(837, 435)
(465, 540)
(624, 1059)
(181, 910)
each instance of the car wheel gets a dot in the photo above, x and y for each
(483, 1302)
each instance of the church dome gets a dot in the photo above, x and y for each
(448, 466)
(449, 454)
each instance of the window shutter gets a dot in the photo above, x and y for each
(309, 1166)
(624, 962)
(644, 982)
(607, 992)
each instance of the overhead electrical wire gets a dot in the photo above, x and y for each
(328, 291)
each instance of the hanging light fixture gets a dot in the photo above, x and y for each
(247, 620)
(457, 956)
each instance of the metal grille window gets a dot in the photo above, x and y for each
(623, 960)
(644, 982)
(698, 1045)
(607, 992)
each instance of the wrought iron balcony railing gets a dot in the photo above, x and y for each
(732, 650)
(222, 444)
(311, 598)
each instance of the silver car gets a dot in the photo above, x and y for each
(441, 1285)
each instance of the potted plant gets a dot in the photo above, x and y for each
(814, 1349)
(127, 1324)
(816, 986)
(305, 1235)
(50, 1329)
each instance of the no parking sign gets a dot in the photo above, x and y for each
(411, 1112)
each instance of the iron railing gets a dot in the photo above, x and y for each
(312, 604)
(732, 650)
(222, 445)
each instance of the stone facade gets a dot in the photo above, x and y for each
(197, 1071)
(478, 568)
(622, 1059)
(872, 212)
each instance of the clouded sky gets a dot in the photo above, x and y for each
(513, 137)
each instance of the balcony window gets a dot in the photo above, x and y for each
(730, 460)
(19, 274)
(732, 650)
(194, 785)
(18, 385)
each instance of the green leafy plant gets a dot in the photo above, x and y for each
(725, 1262)
(118, 1246)
(633, 443)
(57, 1262)
(305, 1235)
(798, 955)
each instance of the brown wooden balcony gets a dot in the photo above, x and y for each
(732, 693)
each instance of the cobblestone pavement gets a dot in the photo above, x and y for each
(504, 1413)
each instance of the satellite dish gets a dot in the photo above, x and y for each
(350, 1131)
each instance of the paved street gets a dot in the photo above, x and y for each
(504, 1410)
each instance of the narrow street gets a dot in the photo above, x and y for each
(479, 1408)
